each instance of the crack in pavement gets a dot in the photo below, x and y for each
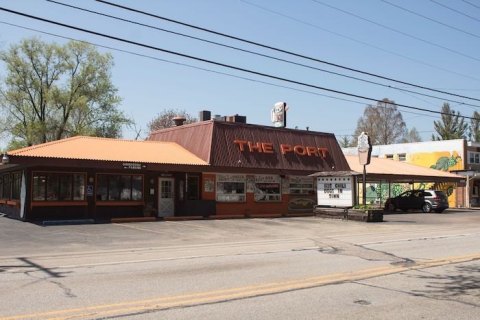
(331, 246)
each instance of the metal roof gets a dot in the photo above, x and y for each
(214, 142)
(398, 171)
(104, 149)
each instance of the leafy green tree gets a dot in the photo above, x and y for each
(451, 126)
(382, 122)
(474, 129)
(164, 119)
(54, 91)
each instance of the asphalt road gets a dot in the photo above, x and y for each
(412, 266)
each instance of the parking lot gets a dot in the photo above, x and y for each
(26, 238)
(243, 268)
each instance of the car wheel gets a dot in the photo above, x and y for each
(427, 207)
(391, 207)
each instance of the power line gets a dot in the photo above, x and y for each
(183, 64)
(282, 50)
(431, 19)
(397, 31)
(472, 4)
(458, 11)
(257, 53)
(359, 41)
(218, 63)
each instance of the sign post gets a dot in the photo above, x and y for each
(364, 154)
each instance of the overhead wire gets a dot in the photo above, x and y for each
(218, 63)
(457, 11)
(397, 31)
(257, 53)
(181, 64)
(431, 19)
(382, 49)
(281, 50)
(472, 4)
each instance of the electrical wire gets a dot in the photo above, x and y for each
(282, 50)
(457, 11)
(382, 49)
(218, 63)
(181, 64)
(398, 31)
(431, 19)
(257, 53)
(472, 4)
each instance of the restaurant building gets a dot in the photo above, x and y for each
(209, 168)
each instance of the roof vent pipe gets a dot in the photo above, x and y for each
(178, 120)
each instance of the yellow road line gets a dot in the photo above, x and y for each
(198, 298)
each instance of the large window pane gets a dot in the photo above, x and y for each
(65, 193)
(267, 188)
(230, 188)
(16, 185)
(102, 187)
(39, 187)
(137, 188)
(114, 187)
(52, 187)
(125, 187)
(6, 186)
(78, 187)
(57, 186)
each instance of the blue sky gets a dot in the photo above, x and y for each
(420, 51)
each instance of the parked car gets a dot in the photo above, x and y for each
(425, 200)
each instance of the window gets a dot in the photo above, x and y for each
(57, 186)
(193, 188)
(389, 156)
(267, 188)
(16, 185)
(301, 185)
(6, 186)
(126, 187)
(473, 157)
(230, 188)
(402, 157)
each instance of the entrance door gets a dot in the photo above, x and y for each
(166, 198)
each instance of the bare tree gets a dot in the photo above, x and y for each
(382, 122)
(164, 119)
(411, 135)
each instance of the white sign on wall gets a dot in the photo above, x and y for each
(335, 191)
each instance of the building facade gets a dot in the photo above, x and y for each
(456, 156)
(207, 169)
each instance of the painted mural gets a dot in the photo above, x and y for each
(446, 161)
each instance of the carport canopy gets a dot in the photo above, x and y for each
(381, 169)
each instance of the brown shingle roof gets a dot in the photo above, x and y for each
(104, 149)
